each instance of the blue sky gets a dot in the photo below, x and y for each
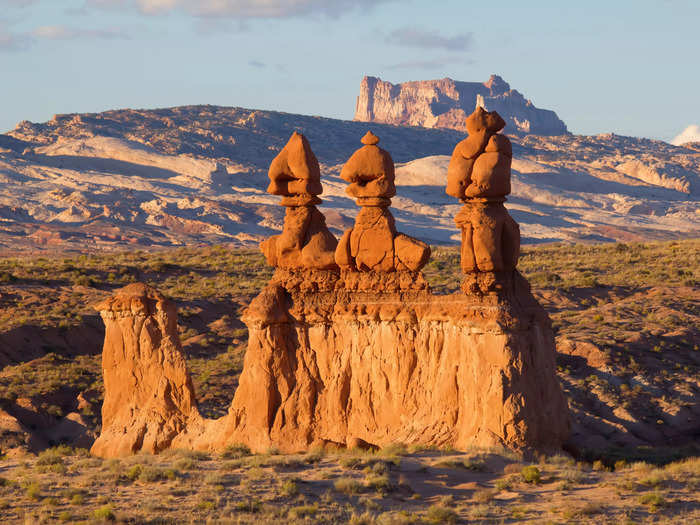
(629, 67)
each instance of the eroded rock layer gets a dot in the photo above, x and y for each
(330, 364)
(358, 352)
(148, 391)
(400, 367)
(445, 103)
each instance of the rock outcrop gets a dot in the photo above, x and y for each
(479, 176)
(360, 353)
(305, 241)
(373, 244)
(149, 395)
(445, 103)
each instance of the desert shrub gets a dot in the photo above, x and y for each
(105, 513)
(531, 474)
(654, 500)
(235, 451)
(366, 518)
(572, 475)
(655, 478)
(7, 277)
(184, 464)
(303, 511)
(394, 449)
(379, 483)
(347, 485)
(51, 463)
(33, 490)
(151, 474)
(134, 472)
(599, 466)
(620, 464)
(484, 495)
(249, 505)
(440, 514)
(503, 484)
(314, 456)
(289, 488)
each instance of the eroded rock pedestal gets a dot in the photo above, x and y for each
(355, 353)
(400, 367)
(149, 396)
(479, 176)
(305, 241)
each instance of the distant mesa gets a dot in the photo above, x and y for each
(445, 103)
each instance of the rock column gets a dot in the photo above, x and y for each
(373, 244)
(479, 175)
(305, 241)
(149, 397)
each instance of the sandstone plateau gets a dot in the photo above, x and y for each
(445, 103)
(357, 354)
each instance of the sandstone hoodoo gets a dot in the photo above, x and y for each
(363, 352)
(479, 176)
(305, 241)
(373, 244)
(148, 391)
(445, 103)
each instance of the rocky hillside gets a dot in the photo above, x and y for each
(445, 103)
(197, 174)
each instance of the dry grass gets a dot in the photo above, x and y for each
(638, 304)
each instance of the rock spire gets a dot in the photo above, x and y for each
(479, 176)
(305, 241)
(373, 244)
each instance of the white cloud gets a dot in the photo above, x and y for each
(414, 37)
(17, 3)
(242, 8)
(689, 134)
(434, 63)
(70, 33)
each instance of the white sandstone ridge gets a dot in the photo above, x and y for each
(198, 174)
(445, 103)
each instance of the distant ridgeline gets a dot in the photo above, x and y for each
(446, 103)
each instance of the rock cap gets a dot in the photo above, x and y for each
(295, 170)
(370, 170)
(369, 139)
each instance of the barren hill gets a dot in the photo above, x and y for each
(197, 174)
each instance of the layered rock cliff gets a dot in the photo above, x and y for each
(445, 103)
(400, 367)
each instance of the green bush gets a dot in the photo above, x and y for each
(105, 513)
(531, 474)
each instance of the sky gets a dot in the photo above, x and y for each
(627, 67)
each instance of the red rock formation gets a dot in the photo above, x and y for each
(148, 392)
(364, 356)
(305, 241)
(373, 244)
(479, 175)
(406, 366)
